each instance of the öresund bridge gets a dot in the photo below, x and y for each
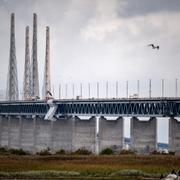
(35, 125)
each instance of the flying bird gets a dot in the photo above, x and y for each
(48, 92)
(154, 47)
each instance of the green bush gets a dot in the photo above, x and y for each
(127, 152)
(44, 152)
(3, 150)
(107, 151)
(162, 153)
(155, 152)
(18, 152)
(60, 152)
(171, 153)
(82, 151)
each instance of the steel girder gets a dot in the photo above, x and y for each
(122, 107)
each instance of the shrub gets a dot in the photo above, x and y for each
(107, 151)
(18, 152)
(171, 153)
(127, 152)
(156, 152)
(82, 151)
(3, 150)
(60, 152)
(162, 153)
(44, 152)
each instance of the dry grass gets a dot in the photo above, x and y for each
(90, 165)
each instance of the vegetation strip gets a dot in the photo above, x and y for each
(51, 173)
(111, 166)
(81, 163)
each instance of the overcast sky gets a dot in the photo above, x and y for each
(99, 40)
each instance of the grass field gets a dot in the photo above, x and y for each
(87, 166)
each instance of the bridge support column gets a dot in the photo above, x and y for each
(34, 134)
(43, 134)
(52, 136)
(111, 134)
(27, 133)
(174, 135)
(20, 132)
(143, 135)
(97, 135)
(84, 134)
(1, 128)
(4, 131)
(14, 132)
(9, 131)
(62, 134)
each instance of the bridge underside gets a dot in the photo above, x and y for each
(35, 134)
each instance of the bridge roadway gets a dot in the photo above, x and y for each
(146, 107)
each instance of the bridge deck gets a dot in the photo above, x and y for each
(159, 107)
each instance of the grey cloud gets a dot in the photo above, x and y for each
(89, 42)
(144, 7)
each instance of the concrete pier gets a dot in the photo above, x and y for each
(84, 134)
(143, 135)
(62, 134)
(4, 131)
(0, 129)
(43, 134)
(111, 134)
(35, 134)
(28, 139)
(174, 136)
(14, 132)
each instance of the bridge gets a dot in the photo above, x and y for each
(63, 124)
(23, 124)
(145, 107)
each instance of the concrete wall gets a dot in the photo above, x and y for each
(84, 134)
(28, 138)
(14, 132)
(43, 134)
(35, 134)
(39, 134)
(111, 133)
(4, 131)
(63, 134)
(174, 135)
(143, 135)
